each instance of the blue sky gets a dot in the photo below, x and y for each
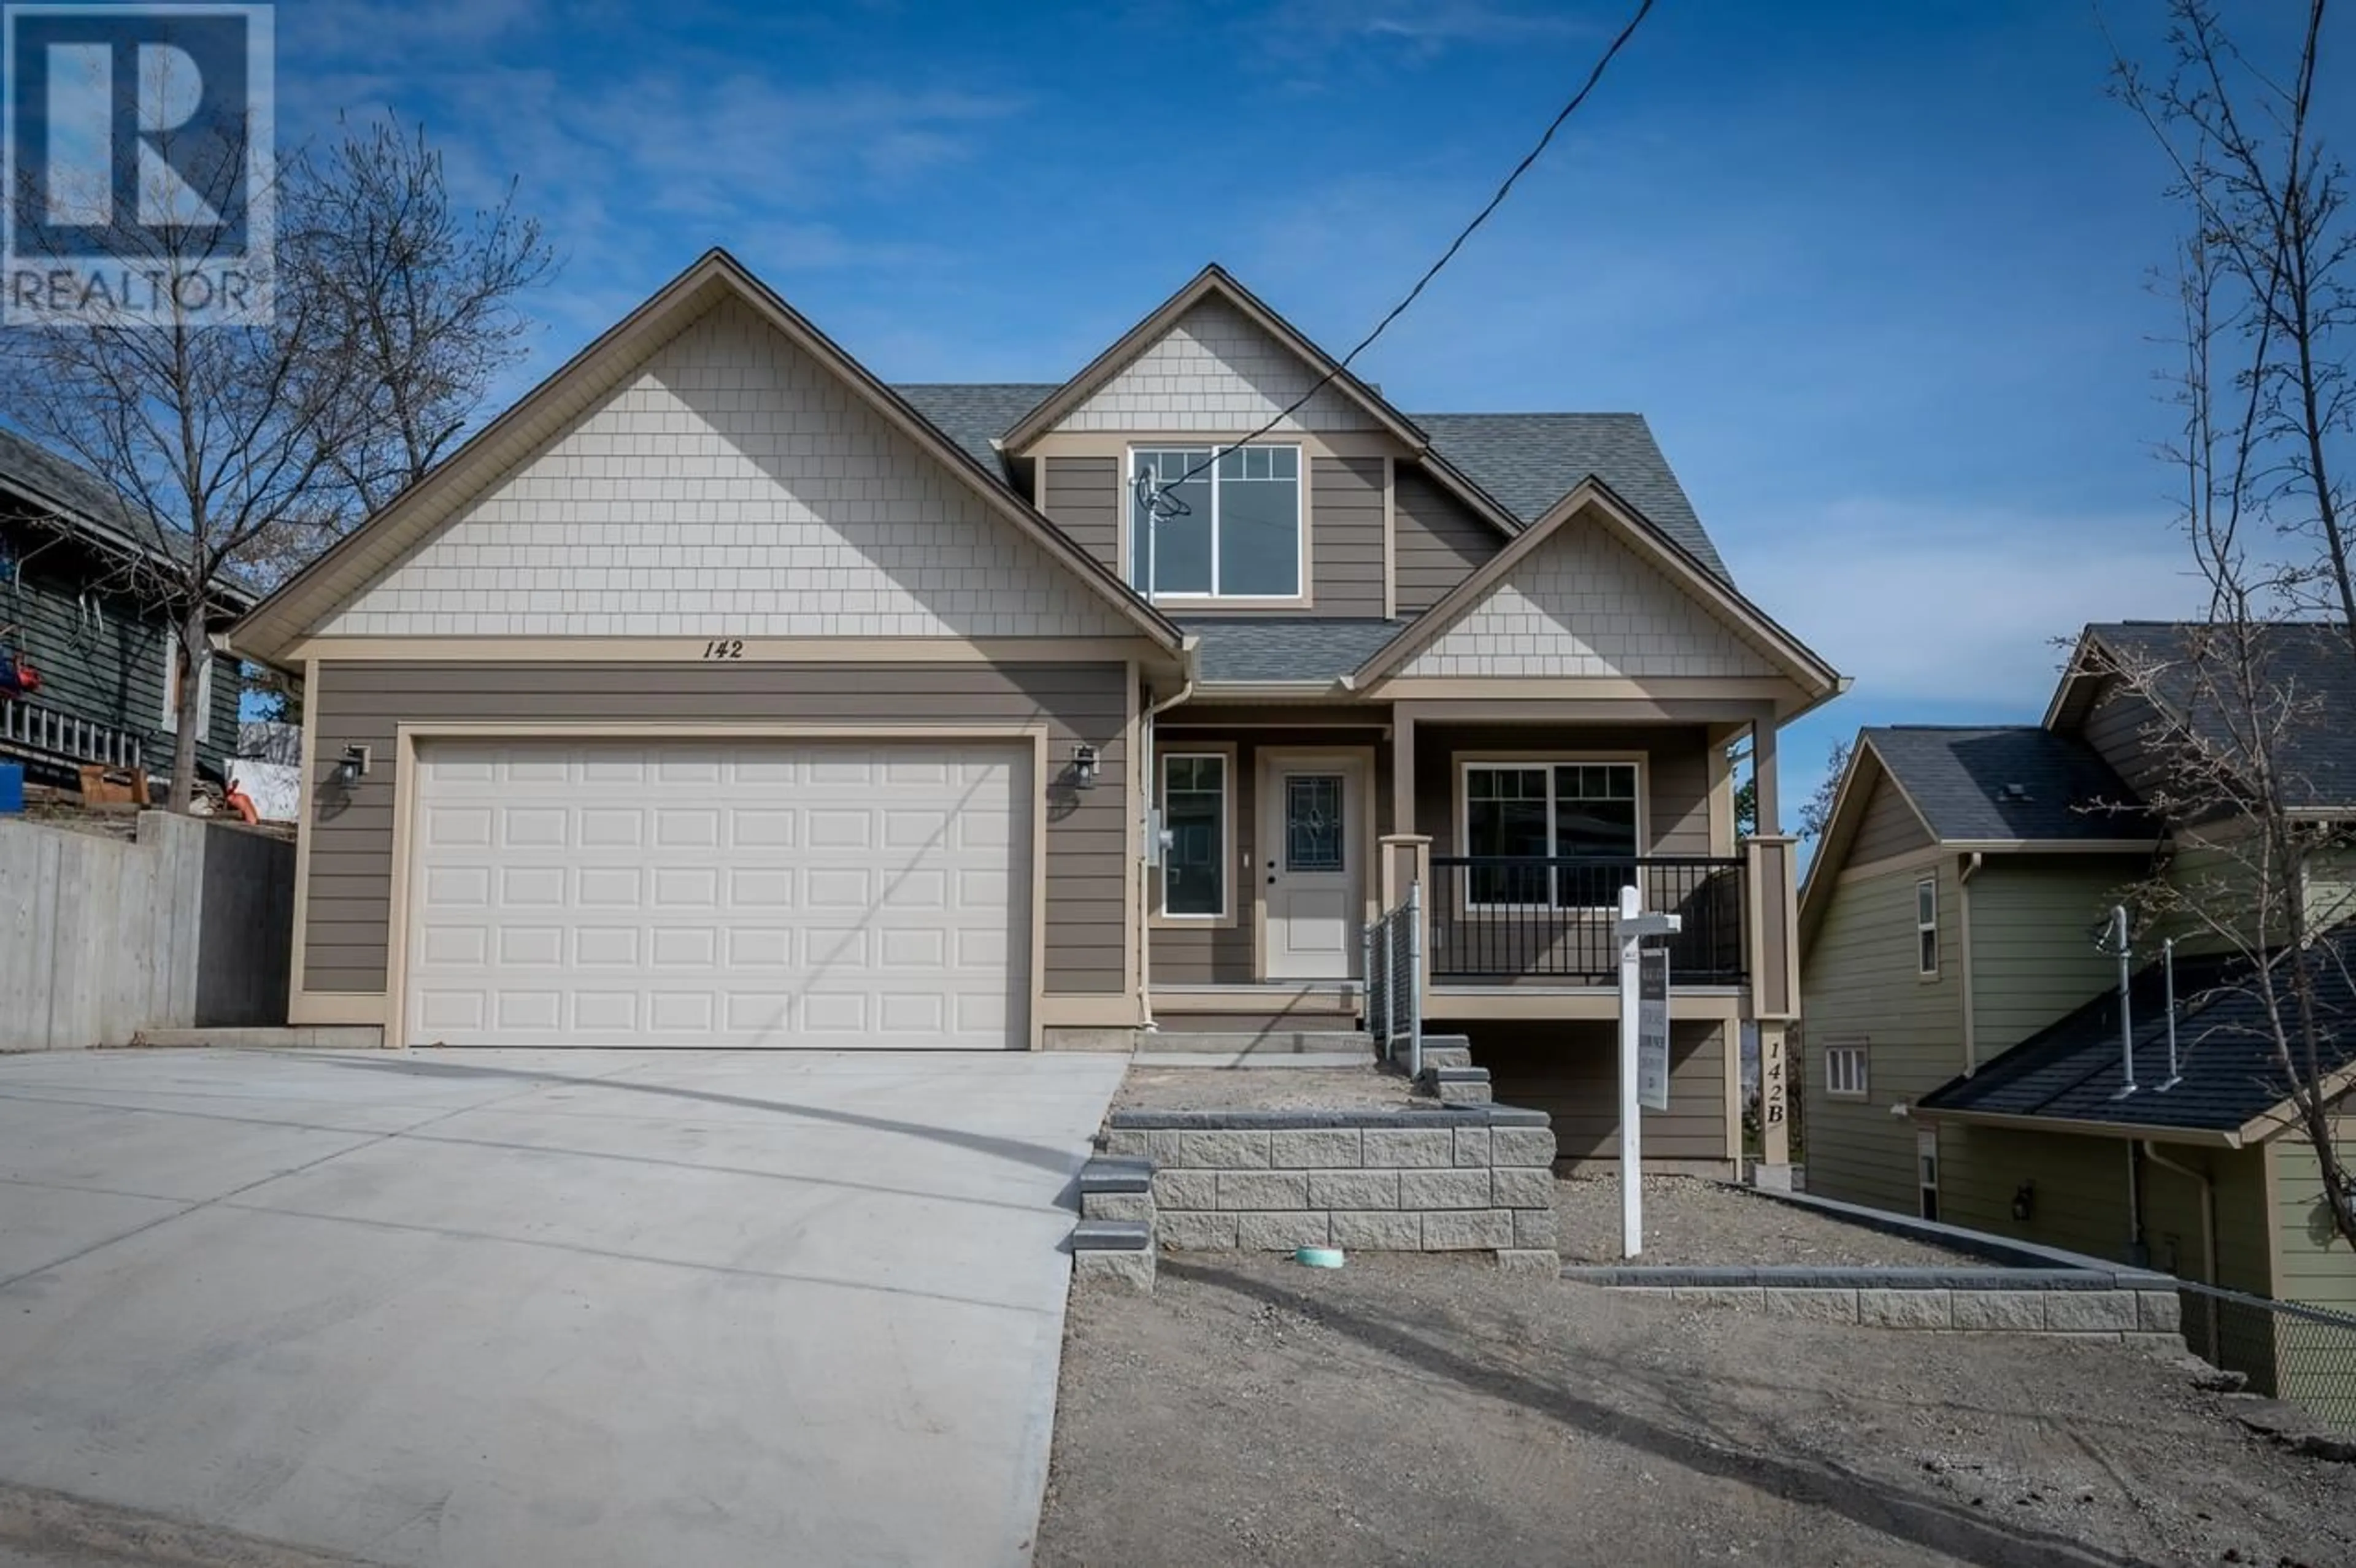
(1877, 272)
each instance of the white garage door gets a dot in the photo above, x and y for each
(739, 893)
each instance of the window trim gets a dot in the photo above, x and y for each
(1299, 599)
(1467, 762)
(1926, 927)
(1229, 795)
(1860, 1048)
(169, 718)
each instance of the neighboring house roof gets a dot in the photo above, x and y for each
(2230, 1087)
(364, 555)
(2311, 658)
(2005, 783)
(1529, 462)
(1289, 650)
(84, 503)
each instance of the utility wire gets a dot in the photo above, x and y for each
(1158, 499)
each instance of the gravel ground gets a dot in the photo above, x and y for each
(1410, 1409)
(1688, 1221)
(1263, 1089)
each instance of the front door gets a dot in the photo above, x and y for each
(1312, 853)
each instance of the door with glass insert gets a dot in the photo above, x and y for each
(1312, 844)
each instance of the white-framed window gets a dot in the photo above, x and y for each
(1926, 928)
(1240, 534)
(1198, 824)
(1544, 810)
(1926, 1165)
(1845, 1069)
(171, 714)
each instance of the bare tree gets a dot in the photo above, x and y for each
(2233, 710)
(238, 450)
(1817, 811)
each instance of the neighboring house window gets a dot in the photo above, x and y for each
(172, 690)
(1194, 817)
(1584, 812)
(1926, 927)
(1844, 1074)
(1239, 536)
(1926, 1161)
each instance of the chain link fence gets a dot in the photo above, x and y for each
(2305, 1355)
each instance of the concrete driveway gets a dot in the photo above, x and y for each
(532, 1306)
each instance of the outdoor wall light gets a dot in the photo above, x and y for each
(1085, 767)
(2024, 1199)
(350, 767)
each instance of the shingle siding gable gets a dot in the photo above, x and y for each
(733, 487)
(1214, 370)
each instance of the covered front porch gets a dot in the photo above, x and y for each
(1290, 829)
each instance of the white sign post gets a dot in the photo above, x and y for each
(1633, 928)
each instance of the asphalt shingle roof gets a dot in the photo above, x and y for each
(2072, 1071)
(2311, 659)
(1959, 779)
(1528, 462)
(1305, 648)
(87, 503)
(1525, 462)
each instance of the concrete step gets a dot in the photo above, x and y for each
(1272, 1042)
(1455, 1085)
(1447, 1050)
(1112, 1236)
(1262, 1063)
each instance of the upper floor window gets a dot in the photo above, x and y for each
(1239, 536)
(1926, 928)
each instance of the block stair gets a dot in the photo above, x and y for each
(1114, 1239)
(1449, 1075)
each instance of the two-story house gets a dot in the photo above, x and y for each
(1964, 1056)
(78, 618)
(719, 693)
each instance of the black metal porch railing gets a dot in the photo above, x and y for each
(1501, 917)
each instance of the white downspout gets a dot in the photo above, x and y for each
(2208, 1229)
(1145, 806)
(1963, 936)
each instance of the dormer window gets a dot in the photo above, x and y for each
(1239, 536)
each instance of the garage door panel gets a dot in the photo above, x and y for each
(766, 894)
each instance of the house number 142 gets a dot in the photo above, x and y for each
(724, 648)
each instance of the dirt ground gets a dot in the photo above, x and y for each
(1688, 1221)
(1412, 1410)
(1368, 1088)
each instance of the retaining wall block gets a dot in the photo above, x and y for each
(1378, 1230)
(2091, 1311)
(1195, 1230)
(1263, 1189)
(1542, 1260)
(1522, 1146)
(2000, 1311)
(2159, 1312)
(1186, 1189)
(1534, 1228)
(1471, 1146)
(1409, 1147)
(1353, 1190)
(1521, 1186)
(1448, 1189)
(1749, 1297)
(1133, 1268)
(1467, 1230)
(1116, 1206)
(1126, 1143)
(1283, 1232)
(1904, 1308)
(1213, 1150)
(1811, 1304)
(1313, 1147)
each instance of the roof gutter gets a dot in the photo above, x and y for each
(1272, 690)
(2208, 1137)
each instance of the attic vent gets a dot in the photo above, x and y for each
(2012, 792)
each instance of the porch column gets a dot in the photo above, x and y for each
(1403, 769)
(1762, 771)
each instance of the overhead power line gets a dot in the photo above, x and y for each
(1156, 492)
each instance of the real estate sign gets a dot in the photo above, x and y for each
(1653, 1030)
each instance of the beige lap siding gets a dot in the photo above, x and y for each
(1345, 535)
(1570, 1071)
(345, 932)
(1082, 495)
(1438, 541)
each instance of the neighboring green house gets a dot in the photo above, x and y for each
(77, 611)
(1962, 1057)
